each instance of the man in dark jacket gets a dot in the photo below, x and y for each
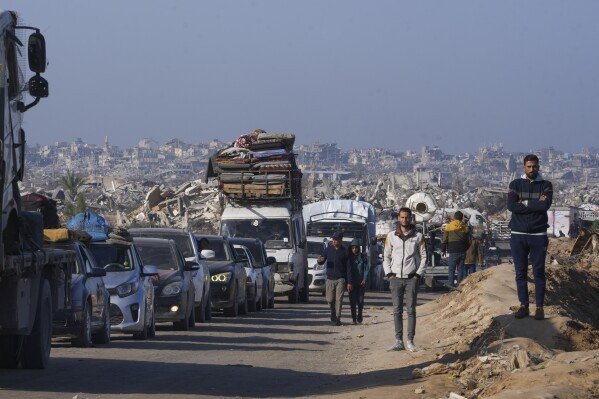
(455, 241)
(528, 199)
(339, 276)
(359, 270)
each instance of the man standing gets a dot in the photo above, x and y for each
(456, 240)
(360, 269)
(528, 199)
(404, 263)
(339, 275)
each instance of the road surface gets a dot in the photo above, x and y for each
(288, 351)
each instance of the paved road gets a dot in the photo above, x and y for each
(288, 351)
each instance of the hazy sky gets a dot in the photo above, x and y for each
(457, 74)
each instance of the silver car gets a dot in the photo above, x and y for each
(188, 246)
(130, 288)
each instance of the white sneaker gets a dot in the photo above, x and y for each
(411, 347)
(397, 346)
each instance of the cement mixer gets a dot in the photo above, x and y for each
(423, 206)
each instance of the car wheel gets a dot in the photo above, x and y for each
(191, 320)
(152, 327)
(208, 310)
(305, 291)
(36, 347)
(103, 337)
(84, 338)
(265, 299)
(181, 325)
(200, 313)
(293, 296)
(143, 334)
(252, 307)
(10, 346)
(233, 311)
(243, 307)
(259, 303)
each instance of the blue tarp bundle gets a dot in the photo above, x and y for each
(92, 223)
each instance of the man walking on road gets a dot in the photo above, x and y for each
(339, 275)
(456, 240)
(360, 269)
(528, 199)
(404, 263)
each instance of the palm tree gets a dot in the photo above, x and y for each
(71, 183)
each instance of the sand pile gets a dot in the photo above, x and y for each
(559, 251)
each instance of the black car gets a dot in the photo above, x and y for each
(258, 251)
(86, 318)
(227, 275)
(173, 288)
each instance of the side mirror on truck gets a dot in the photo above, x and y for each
(36, 52)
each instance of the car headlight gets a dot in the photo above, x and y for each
(221, 277)
(318, 267)
(127, 289)
(172, 289)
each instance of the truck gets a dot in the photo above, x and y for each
(34, 282)
(355, 219)
(260, 189)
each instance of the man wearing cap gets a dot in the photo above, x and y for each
(339, 275)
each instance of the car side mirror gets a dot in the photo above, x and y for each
(36, 52)
(208, 254)
(191, 266)
(271, 260)
(97, 272)
(149, 271)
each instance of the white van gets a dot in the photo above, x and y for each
(281, 229)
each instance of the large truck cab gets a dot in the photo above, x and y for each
(281, 229)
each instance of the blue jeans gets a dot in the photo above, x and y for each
(456, 263)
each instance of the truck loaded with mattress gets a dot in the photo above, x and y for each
(258, 166)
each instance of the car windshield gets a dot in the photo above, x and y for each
(315, 248)
(255, 251)
(274, 233)
(218, 246)
(161, 256)
(118, 258)
(182, 240)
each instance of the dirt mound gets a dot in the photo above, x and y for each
(559, 251)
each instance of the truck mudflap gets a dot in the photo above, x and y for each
(283, 284)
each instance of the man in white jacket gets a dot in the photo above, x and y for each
(404, 264)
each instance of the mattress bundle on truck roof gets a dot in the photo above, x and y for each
(258, 166)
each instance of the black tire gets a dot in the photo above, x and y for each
(305, 291)
(152, 327)
(181, 325)
(10, 348)
(293, 296)
(259, 302)
(265, 299)
(143, 334)
(252, 306)
(36, 346)
(191, 320)
(233, 311)
(243, 307)
(103, 336)
(208, 310)
(200, 313)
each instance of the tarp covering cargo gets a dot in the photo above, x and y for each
(338, 210)
(92, 223)
(258, 166)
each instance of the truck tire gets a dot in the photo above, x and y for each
(305, 291)
(84, 338)
(293, 296)
(10, 346)
(36, 347)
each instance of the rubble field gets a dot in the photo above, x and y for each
(472, 346)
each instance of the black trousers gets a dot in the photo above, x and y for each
(356, 299)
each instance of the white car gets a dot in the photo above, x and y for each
(255, 282)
